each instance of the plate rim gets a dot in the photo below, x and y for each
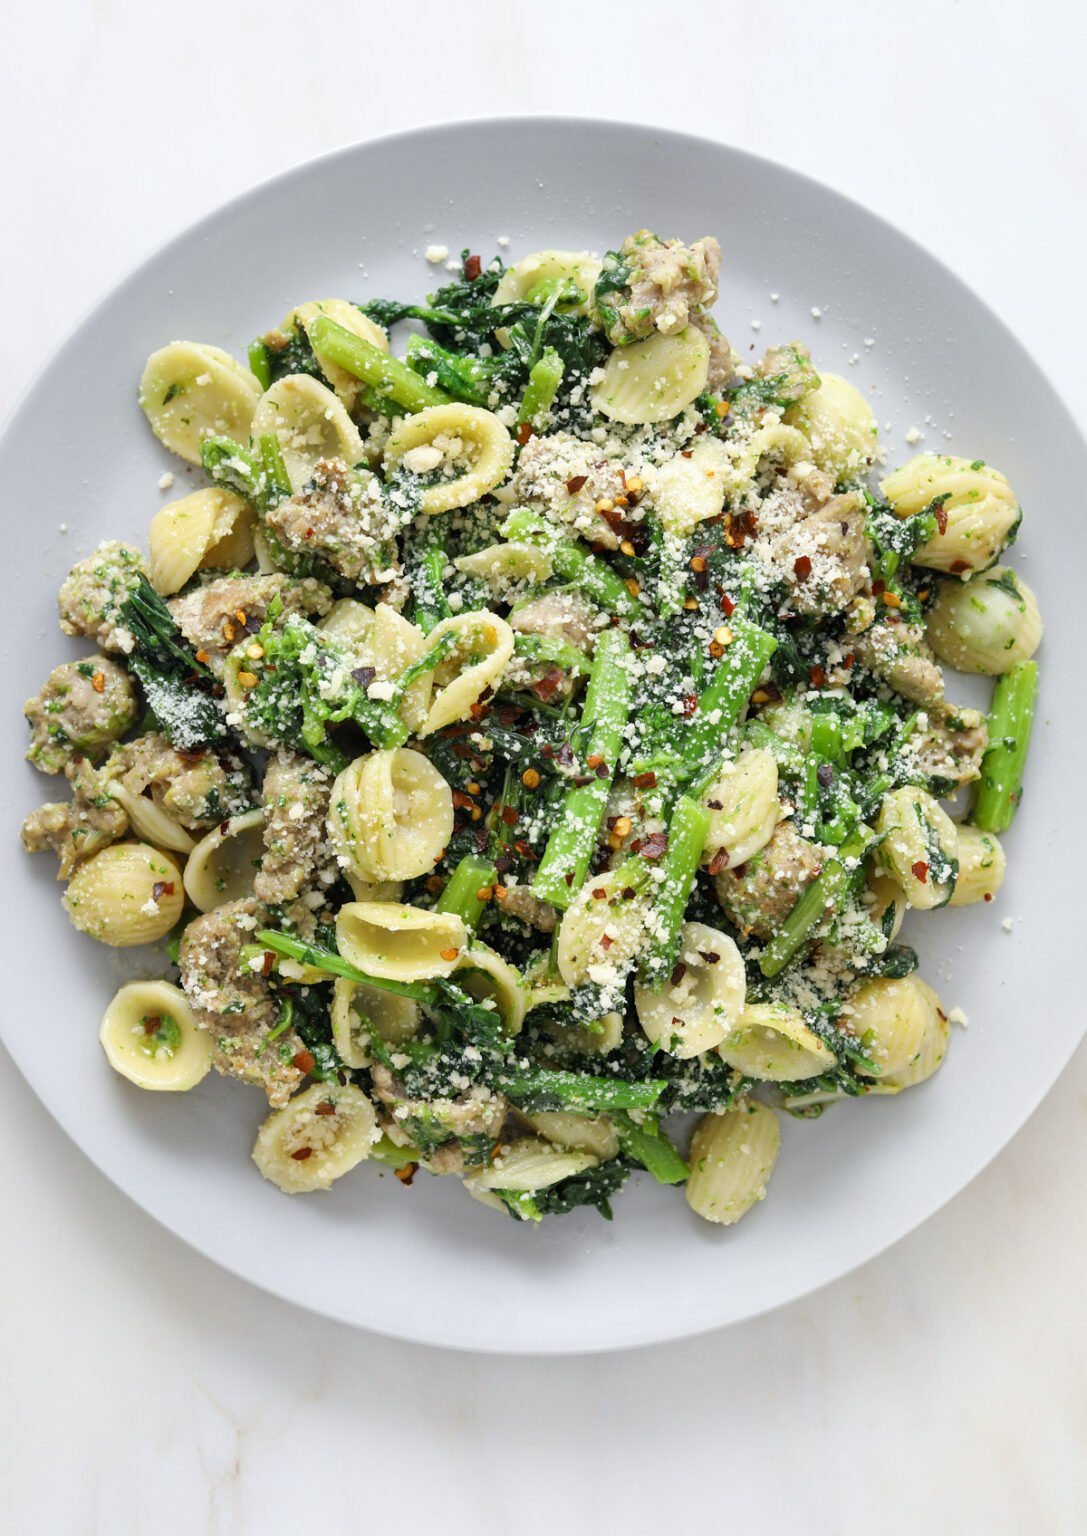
(554, 124)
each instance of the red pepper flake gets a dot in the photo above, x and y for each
(605, 942)
(655, 846)
(524, 432)
(685, 453)
(461, 801)
(958, 566)
(594, 760)
(628, 893)
(718, 862)
(848, 661)
(478, 711)
(326, 1107)
(644, 780)
(364, 676)
(302, 1153)
(152, 1023)
(939, 512)
(509, 816)
(920, 871)
(581, 779)
(575, 483)
(802, 567)
(267, 964)
(544, 687)
(407, 1173)
(678, 974)
(818, 676)
(525, 850)
(690, 705)
(162, 888)
(472, 268)
(569, 877)
(603, 772)
(305, 1061)
(878, 588)
(708, 956)
(599, 893)
(728, 607)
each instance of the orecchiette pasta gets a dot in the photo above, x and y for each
(743, 807)
(383, 639)
(532, 279)
(925, 1060)
(702, 1001)
(207, 529)
(891, 1020)
(578, 1133)
(772, 1043)
(359, 1011)
(981, 866)
(487, 977)
(690, 488)
(151, 1035)
(352, 319)
(150, 822)
(653, 380)
(190, 391)
(504, 564)
(978, 514)
(528, 1165)
(224, 862)
(484, 645)
(128, 894)
(310, 424)
(920, 846)
(399, 943)
(601, 931)
(390, 815)
(732, 1157)
(985, 624)
(466, 448)
(323, 1133)
(839, 424)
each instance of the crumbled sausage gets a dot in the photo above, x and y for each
(91, 597)
(899, 654)
(208, 615)
(81, 708)
(296, 794)
(666, 283)
(759, 895)
(341, 516)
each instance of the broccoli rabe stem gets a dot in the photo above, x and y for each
(257, 474)
(468, 889)
(463, 378)
(542, 387)
(543, 1087)
(826, 894)
(648, 1145)
(321, 959)
(686, 839)
(570, 847)
(260, 364)
(387, 375)
(557, 652)
(720, 702)
(571, 561)
(1011, 718)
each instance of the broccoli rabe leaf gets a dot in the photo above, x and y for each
(175, 684)
(593, 1187)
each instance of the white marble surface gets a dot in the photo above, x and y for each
(940, 1388)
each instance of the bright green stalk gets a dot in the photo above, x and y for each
(260, 365)
(461, 894)
(571, 561)
(557, 652)
(721, 701)
(650, 1147)
(333, 964)
(431, 606)
(364, 361)
(387, 1152)
(577, 1090)
(686, 839)
(565, 861)
(464, 378)
(824, 895)
(1011, 717)
(277, 480)
(543, 384)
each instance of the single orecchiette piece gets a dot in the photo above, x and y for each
(399, 943)
(210, 528)
(655, 379)
(978, 511)
(924, 1061)
(743, 807)
(222, 866)
(474, 665)
(127, 894)
(150, 1035)
(732, 1157)
(490, 979)
(528, 1165)
(310, 424)
(358, 1012)
(532, 280)
(602, 930)
(688, 490)
(882, 896)
(352, 319)
(891, 1020)
(390, 815)
(321, 1134)
(466, 448)
(981, 866)
(703, 1000)
(920, 846)
(383, 639)
(502, 565)
(190, 391)
(150, 821)
(771, 1042)
(985, 624)
(579, 1133)
(839, 424)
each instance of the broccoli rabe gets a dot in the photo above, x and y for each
(176, 686)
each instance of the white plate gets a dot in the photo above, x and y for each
(427, 1263)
